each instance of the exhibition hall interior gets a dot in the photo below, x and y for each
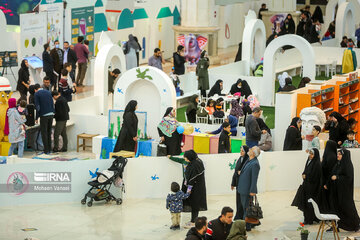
(179, 119)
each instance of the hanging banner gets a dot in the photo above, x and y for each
(82, 24)
(33, 34)
(55, 20)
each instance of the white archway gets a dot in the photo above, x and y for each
(254, 37)
(345, 21)
(307, 53)
(109, 53)
(151, 88)
(330, 14)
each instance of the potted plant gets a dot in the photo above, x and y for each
(303, 231)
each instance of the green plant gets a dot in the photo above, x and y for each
(142, 75)
(302, 229)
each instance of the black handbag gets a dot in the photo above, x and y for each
(254, 209)
(161, 150)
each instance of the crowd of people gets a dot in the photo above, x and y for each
(49, 100)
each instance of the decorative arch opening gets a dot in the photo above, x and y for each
(345, 21)
(137, 84)
(254, 42)
(108, 55)
(307, 53)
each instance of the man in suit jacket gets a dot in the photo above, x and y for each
(48, 64)
(57, 55)
(70, 57)
(247, 186)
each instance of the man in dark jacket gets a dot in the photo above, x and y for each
(70, 57)
(45, 110)
(197, 232)
(219, 229)
(179, 60)
(224, 140)
(253, 131)
(57, 55)
(61, 115)
(247, 185)
(48, 64)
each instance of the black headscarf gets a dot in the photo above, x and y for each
(203, 54)
(245, 89)
(239, 165)
(303, 82)
(294, 122)
(23, 65)
(329, 159)
(239, 53)
(338, 116)
(316, 157)
(192, 104)
(216, 89)
(263, 125)
(289, 25)
(318, 15)
(168, 111)
(191, 155)
(245, 157)
(131, 106)
(234, 88)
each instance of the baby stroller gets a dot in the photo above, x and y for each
(100, 187)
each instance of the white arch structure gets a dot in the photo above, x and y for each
(108, 54)
(154, 95)
(307, 53)
(345, 21)
(254, 38)
(329, 14)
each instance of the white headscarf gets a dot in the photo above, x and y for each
(282, 78)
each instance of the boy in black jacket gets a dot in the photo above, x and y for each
(224, 140)
(61, 115)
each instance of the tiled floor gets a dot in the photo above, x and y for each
(144, 219)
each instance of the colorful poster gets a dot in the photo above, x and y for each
(55, 19)
(33, 34)
(277, 22)
(82, 24)
(193, 46)
(8, 59)
(13, 8)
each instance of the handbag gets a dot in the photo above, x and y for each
(161, 150)
(254, 210)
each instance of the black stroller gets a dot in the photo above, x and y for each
(100, 187)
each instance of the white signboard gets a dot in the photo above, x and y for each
(55, 19)
(32, 34)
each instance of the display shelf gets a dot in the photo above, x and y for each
(337, 94)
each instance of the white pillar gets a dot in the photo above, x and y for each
(282, 5)
(199, 13)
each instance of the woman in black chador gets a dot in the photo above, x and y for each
(310, 186)
(327, 165)
(195, 180)
(341, 192)
(128, 133)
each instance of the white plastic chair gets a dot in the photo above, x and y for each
(330, 69)
(202, 120)
(218, 120)
(324, 218)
